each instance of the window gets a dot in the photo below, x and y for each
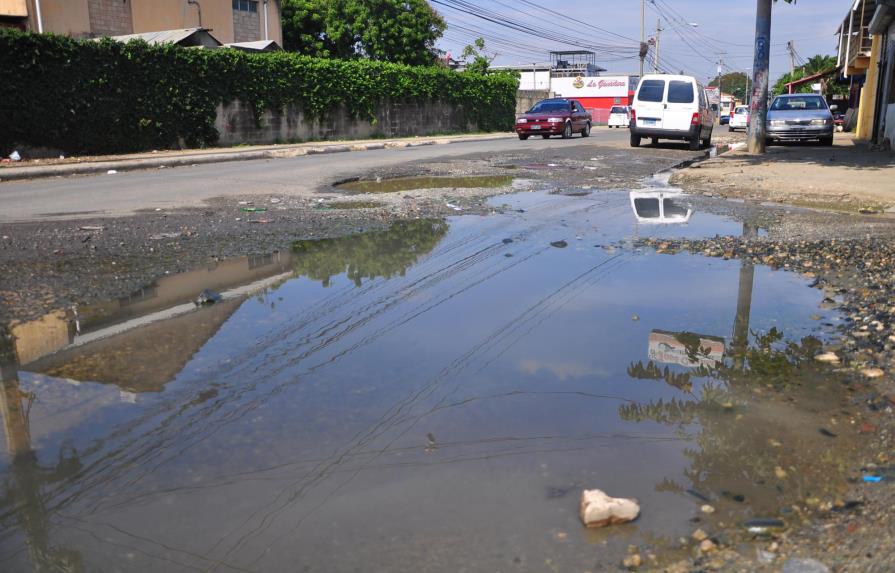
(651, 90)
(549, 106)
(798, 102)
(246, 6)
(680, 92)
(618, 109)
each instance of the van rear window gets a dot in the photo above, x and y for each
(651, 90)
(680, 92)
(618, 109)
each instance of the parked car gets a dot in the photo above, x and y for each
(739, 119)
(620, 116)
(724, 119)
(671, 107)
(557, 116)
(800, 117)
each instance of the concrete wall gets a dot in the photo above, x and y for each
(14, 8)
(67, 17)
(115, 17)
(527, 98)
(246, 26)
(236, 123)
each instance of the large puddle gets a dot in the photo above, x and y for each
(428, 398)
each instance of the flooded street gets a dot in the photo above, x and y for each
(430, 397)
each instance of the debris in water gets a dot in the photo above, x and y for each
(698, 495)
(828, 357)
(826, 432)
(873, 479)
(254, 209)
(559, 244)
(762, 525)
(91, 228)
(873, 372)
(14, 156)
(111, 172)
(707, 509)
(600, 510)
(207, 296)
(507, 241)
(454, 207)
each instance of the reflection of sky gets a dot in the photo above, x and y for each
(304, 420)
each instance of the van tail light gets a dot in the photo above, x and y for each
(634, 116)
(695, 120)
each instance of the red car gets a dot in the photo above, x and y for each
(558, 116)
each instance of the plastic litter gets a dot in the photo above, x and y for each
(111, 172)
(454, 207)
(254, 209)
(14, 156)
(600, 510)
(207, 297)
(873, 479)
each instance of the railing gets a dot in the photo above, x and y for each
(861, 41)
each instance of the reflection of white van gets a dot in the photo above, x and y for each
(659, 207)
(619, 116)
(671, 107)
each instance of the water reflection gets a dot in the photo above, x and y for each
(659, 207)
(23, 489)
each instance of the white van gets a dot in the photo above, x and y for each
(671, 107)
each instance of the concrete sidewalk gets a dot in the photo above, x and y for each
(169, 158)
(847, 176)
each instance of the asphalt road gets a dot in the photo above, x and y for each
(126, 193)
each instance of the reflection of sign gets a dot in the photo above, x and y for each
(685, 348)
(599, 86)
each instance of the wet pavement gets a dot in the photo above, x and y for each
(428, 397)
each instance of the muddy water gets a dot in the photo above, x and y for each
(428, 398)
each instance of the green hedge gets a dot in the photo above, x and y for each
(106, 97)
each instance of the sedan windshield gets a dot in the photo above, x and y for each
(549, 107)
(799, 103)
(618, 109)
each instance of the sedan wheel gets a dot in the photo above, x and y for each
(567, 131)
(546, 136)
(523, 137)
(586, 131)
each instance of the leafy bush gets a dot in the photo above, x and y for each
(105, 96)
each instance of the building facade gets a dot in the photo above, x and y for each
(229, 20)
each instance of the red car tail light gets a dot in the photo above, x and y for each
(695, 119)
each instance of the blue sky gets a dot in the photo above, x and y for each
(723, 25)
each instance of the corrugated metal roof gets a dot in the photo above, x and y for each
(259, 46)
(167, 36)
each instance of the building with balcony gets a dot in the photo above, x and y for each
(231, 21)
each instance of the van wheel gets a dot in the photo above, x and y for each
(586, 131)
(730, 129)
(826, 141)
(694, 143)
(635, 140)
(567, 130)
(523, 137)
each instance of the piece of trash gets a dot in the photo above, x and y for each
(600, 510)
(158, 208)
(707, 509)
(430, 442)
(90, 228)
(551, 165)
(61, 157)
(590, 168)
(559, 244)
(274, 201)
(507, 241)
(246, 202)
(873, 479)
(207, 297)
(254, 209)
(635, 318)
(111, 172)
(828, 357)
(454, 207)
(826, 432)
(761, 526)
(262, 221)
(14, 156)
(160, 236)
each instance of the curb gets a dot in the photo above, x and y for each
(96, 167)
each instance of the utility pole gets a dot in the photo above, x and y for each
(643, 46)
(791, 48)
(761, 63)
(658, 31)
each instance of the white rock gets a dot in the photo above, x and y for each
(600, 510)
(828, 357)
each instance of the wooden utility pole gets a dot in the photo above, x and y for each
(791, 48)
(658, 31)
(759, 106)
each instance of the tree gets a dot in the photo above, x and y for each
(400, 31)
(735, 84)
(814, 65)
(480, 60)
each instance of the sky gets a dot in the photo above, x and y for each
(696, 33)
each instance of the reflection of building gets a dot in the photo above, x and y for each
(685, 349)
(230, 20)
(100, 342)
(659, 207)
